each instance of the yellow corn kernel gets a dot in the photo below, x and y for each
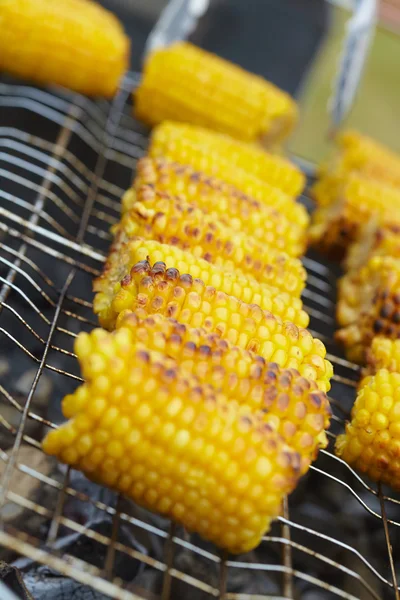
(185, 83)
(291, 404)
(358, 201)
(203, 152)
(185, 449)
(190, 301)
(221, 200)
(170, 220)
(369, 305)
(73, 43)
(371, 441)
(122, 258)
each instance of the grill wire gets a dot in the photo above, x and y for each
(65, 161)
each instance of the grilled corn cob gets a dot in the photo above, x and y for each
(185, 83)
(220, 200)
(271, 168)
(356, 154)
(384, 353)
(176, 447)
(373, 241)
(292, 405)
(73, 43)
(372, 440)
(167, 219)
(247, 289)
(369, 157)
(157, 289)
(336, 226)
(370, 305)
(188, 145)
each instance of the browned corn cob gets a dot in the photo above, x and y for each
(167, 219)
(221, 200)
(185, 83)
(373, 241)
(360, 200)
(372, 440)
(371, 306)
(73, 43)
(171, 444)
(190, 301)
(291, 404)
(384, 353)
(123, 257)
(188, 145)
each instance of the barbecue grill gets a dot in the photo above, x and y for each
(65, 162)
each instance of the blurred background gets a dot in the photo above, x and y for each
(296, 44)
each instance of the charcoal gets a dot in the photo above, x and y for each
(13, 579)
(46, 584)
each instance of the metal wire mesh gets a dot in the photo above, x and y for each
(64, 163)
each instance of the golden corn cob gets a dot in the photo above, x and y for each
(291, 404)
(373, 241)
(356, 154)
(221, 200)
(185, 83)
(360, 200)
(189, 146)
(167, 219)
(384, 353)
(371, 306)
(372, 440)
(174, 446)
(73, 43)
(160, 290)
(369, 157)
(275, 170)
(123, 258)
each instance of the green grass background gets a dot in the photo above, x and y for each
(376, 110)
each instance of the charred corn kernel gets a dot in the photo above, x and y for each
(271, 168)
(185, 449)
(291, 404)
(247, 289)
(359, 201)
(167, 219)
(185, 83)
(384, 353)
(370, 303)
(73, 43)
(220, 200)
(165, 291)
(373, 241)
(371, 441)
(187, 145)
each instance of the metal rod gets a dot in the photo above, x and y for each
(223, 575)
(388, 543)
(169, 552)
(287, 579)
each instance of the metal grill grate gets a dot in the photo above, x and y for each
(64, 163)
